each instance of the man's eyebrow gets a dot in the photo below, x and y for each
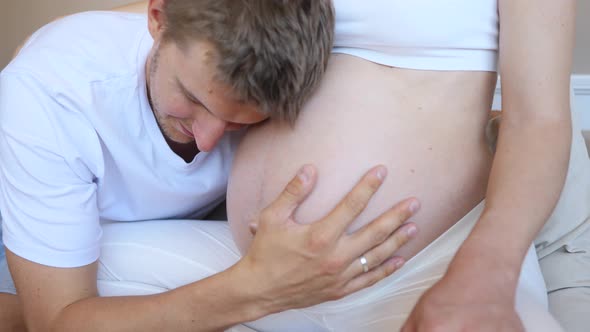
(190, 95)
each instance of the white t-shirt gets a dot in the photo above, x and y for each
(420, 34)
(79, 144)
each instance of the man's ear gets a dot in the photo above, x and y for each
(156, 18)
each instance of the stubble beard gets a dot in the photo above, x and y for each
(168, 131)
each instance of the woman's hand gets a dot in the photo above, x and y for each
(291, 265)
(454, 304)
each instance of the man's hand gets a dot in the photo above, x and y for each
(291, 265)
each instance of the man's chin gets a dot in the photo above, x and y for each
(183, 141)
(180, 139)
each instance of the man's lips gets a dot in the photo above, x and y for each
(186, 131)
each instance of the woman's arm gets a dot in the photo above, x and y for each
(528, 173)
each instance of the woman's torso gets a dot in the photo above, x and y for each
(427, 127)
(426, 124)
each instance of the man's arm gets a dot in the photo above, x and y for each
(320, 259)
(528, 173)
(11, 319)
(58, 299)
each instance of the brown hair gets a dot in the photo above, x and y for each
(271, 52)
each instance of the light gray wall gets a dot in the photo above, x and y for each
(19, 18)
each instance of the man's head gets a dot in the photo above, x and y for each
(217, 65)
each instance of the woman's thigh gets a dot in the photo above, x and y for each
(141, 258)
(531, 297)
(148, 257)
(386, 305)
(570, 307)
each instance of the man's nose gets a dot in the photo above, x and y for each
(209, 135)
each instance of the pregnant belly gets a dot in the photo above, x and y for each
(426, 127)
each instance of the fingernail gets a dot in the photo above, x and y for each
(304, 173)
(411, 230)
(414, 206)
(381, 172)
(253, 228)
(397, 262)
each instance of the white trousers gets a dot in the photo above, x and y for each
(154, 256)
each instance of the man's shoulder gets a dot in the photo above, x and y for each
(73, 76)
(89, 46)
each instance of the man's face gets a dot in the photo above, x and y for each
(189, 104)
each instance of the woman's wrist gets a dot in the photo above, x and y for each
(486, 264)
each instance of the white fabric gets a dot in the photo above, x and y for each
(80, 144)
(144, 258)
(420, 34)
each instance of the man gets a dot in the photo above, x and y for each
(98, 125)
